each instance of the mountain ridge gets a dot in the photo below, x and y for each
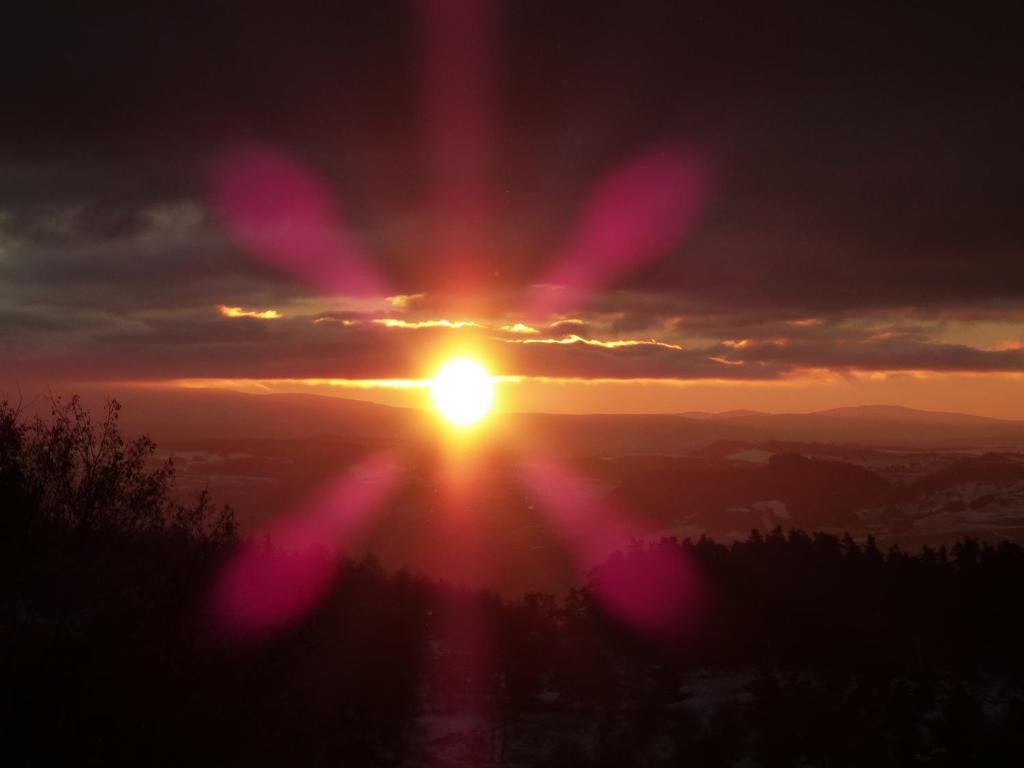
(179, 414)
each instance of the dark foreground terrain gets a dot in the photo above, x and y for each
(784, 648)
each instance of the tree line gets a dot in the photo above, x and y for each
(837, 653)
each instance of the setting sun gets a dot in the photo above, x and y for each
(462, 391)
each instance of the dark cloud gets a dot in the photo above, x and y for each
(126, 258)
(866, 173)
(880, 355)
(205, 344)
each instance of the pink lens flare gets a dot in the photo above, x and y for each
(653, 589)
(633, 216)
(278, 211)
(276, 577)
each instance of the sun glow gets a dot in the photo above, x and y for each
(462, 391)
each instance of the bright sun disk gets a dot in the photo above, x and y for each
(462, 391)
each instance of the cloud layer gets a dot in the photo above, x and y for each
(857, 206)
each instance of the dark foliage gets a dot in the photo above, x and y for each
(822, 650)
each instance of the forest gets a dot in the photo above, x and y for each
(825, 650)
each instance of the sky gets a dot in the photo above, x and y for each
(618, 207)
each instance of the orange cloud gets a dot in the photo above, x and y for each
(519, 328)
(391, 322)
(340, 320)
(614, 344)
(1009, 344)
(267, 314)
(402, 301)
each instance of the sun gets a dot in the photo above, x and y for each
(462, 391)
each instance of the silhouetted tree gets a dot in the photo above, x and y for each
(833, 651)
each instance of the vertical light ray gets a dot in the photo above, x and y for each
(462, 690)
(280, 212)
(460, 682)
(458, 61)
(276, 577)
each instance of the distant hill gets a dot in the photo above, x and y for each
(901, 414)
(739, 412)
(877, 426)
(186, 414)
(176, 415)
(869, 426)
